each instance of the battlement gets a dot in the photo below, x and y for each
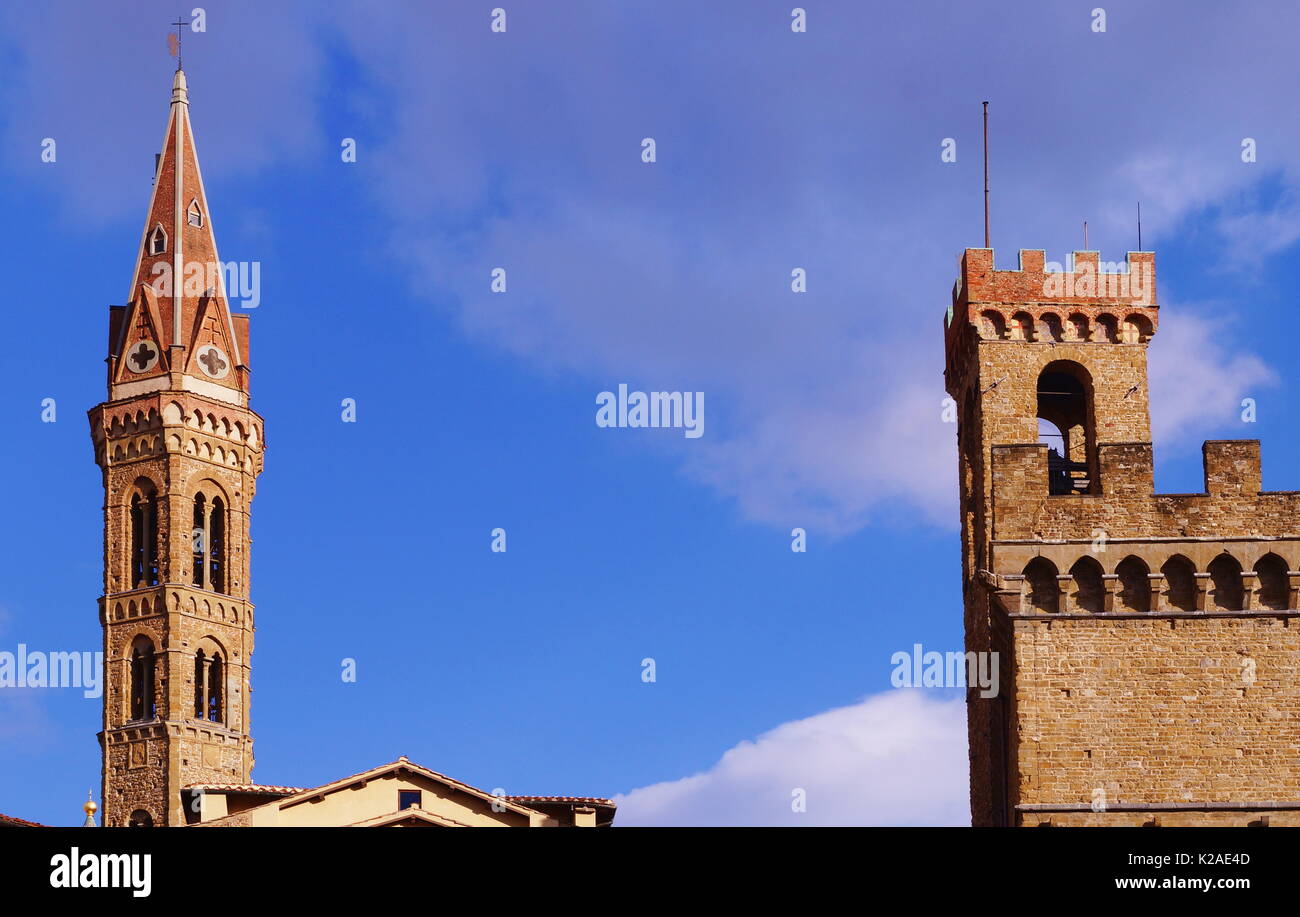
(1092, 301)
(1088, 280)
(1231, 506)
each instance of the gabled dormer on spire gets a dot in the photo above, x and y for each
(176, 331)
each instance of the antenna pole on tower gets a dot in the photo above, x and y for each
(986, 174)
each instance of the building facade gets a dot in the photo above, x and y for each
(1148, 643)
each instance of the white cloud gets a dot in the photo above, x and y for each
(896, 758)
(1197, 381)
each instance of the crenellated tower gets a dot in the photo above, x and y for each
(1148, 643)
(180, 452)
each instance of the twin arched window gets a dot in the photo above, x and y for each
(209, 543)
(144, 535)
(209, 675)
(141, 701)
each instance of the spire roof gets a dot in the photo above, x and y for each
(176, 330)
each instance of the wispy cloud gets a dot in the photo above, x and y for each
(1198, 380)
(775, 151)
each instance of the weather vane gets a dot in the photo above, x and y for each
(174, 41)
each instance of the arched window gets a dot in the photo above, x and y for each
(1049, 327)
(1274, 589)
(1135, 584)
(215, 681)
(1225, 584)
(157, 241)
(200, 689)
(1180, 583)
(1021, 327)
(1065, 412)
(1089, 593)
(208, 543)
(194, 216)
(140, 819)
(1136, 329)
(144, 536)
(199, 538)
(1042, 592)
(209, 682)
(217, 546)
(993, 327)
(142, 679)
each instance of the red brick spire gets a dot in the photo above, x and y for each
(176, 331)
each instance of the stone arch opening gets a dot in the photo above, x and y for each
(1180, 583)
(1065, 411)
(1135, 584)
(142, 661)
(1042, 591)
(1273, 590)
(140, 819)
(1089, 593)
(144, 534)
(1226, 592)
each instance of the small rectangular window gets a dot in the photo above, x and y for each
(408, 799)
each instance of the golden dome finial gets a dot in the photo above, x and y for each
(90, 809)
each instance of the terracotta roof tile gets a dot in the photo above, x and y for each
(11, 822)
(245, 788)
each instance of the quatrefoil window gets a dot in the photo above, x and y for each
(143, 357)
(213, 362)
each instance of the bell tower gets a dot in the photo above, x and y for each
(180, 452)
(1147, 643)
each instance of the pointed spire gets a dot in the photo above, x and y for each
(176, 332)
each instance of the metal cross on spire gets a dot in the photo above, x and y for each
(174, 41)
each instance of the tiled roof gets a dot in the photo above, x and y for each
(591, 800)
(9, 821)
(245, 788)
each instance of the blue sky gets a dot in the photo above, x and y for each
(775, 150)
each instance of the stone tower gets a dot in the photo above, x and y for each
(180, 452)
(1148, 643)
